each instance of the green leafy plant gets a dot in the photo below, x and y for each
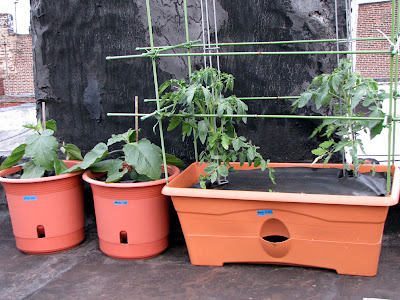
(347, 94)
(201, 96)
(42, 148)
(139, 161)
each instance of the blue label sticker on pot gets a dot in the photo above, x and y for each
(30, 198)
(264, 212)
(120, 202)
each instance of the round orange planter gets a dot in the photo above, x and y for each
(132, 218)
(47, 214)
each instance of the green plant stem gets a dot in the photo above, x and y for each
(350, 124)
(115, 151)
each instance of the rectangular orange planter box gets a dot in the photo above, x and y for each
(337, 232)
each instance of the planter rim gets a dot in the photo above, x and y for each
(13, 170)
(389, 200)
(88, 177)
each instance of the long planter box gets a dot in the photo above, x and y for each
(343, 233)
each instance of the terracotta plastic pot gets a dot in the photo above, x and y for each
(132, 218)
(47, 214)
(343, 233)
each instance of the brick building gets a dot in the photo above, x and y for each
(373, 15)
(16, 65)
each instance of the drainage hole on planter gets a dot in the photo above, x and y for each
(123, 237)
(40, 231)
(275, 238)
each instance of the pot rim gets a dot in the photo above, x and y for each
(175, 190)
(89, 175)
(13, 170)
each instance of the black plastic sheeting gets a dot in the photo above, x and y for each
(308, 181)
(71, 40)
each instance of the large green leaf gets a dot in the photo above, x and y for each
(42, 149)
(336, 81)
(51, 124)
(321, 95)
(14, 157)
(59, 166)
(102, 166)
(225, 141)
(236, 144)
(214, 177)
(358, 93)
(126, 137)
(190, 94)
(350, 83)
(31, 170)
(263, 165)
(211, 168)
(173, 160)
(38, 127)
(319, 151)
(251, 153)
(144, 157)
(72, 152)
(115, 175)
(377, 129)
(114, 172)
(93, 156)
(242, 158)
(164, 86)
(203, 130)
(207, 94)
(303, 100)
(326, 144)
(223, 170)
(221, 109)
(175, 121)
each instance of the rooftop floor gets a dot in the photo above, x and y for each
(86, 273)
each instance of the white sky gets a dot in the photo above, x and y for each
(23, 13)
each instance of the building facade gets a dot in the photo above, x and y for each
(16, 65)
(373, 17)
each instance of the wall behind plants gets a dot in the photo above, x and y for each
(72, 38)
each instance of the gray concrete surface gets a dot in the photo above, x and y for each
(11, 131)
(86, 273)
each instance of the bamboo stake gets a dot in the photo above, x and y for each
(137, 118)
(44, 114)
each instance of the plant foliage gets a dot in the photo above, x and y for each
(348, 94)
(204, 95)
(42, 148)
(143, 159)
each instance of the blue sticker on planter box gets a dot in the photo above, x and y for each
(120, 202)
(30, 198)
(264, 212)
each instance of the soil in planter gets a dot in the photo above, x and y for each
(307, 181)
(17, 175)
(127, 179)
